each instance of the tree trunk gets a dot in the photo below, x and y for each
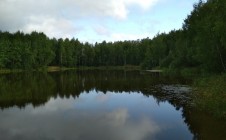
(220, 55)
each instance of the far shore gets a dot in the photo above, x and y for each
(58, 68)
(157, 71)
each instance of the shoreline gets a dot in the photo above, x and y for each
(58, 68)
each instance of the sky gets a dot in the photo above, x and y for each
(94, 20)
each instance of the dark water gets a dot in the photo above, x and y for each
(101, 105)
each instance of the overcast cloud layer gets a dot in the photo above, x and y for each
(90, 20)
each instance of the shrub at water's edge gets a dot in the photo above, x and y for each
(210, 95)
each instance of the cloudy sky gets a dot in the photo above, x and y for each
(94, 20)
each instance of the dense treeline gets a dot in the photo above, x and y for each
(200, 45)
(35, 50)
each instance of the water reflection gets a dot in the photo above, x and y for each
(94, 116)
(37, 88)
(83, 105)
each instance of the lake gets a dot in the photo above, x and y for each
(101, 105)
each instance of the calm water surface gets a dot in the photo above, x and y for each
(100, 105)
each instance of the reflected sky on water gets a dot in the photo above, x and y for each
(95, 115)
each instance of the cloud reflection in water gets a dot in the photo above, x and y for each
(91, 116)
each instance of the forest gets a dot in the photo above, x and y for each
(199, 46)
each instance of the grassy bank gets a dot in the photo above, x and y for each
(185, 72)
(57, 68)
(127, 67)
(210, 95)
(3, 71)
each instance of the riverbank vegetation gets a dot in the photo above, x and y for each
(210, 95)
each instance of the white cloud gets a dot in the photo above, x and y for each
(60, 18)
(145, 4)
(51, 26)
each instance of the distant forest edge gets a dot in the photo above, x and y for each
(199, 46)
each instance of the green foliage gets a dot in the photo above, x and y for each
(36, 50)
(20, 51)
(199, 45)
(210, 95)
(204, 29)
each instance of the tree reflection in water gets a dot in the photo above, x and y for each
(23, 89)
